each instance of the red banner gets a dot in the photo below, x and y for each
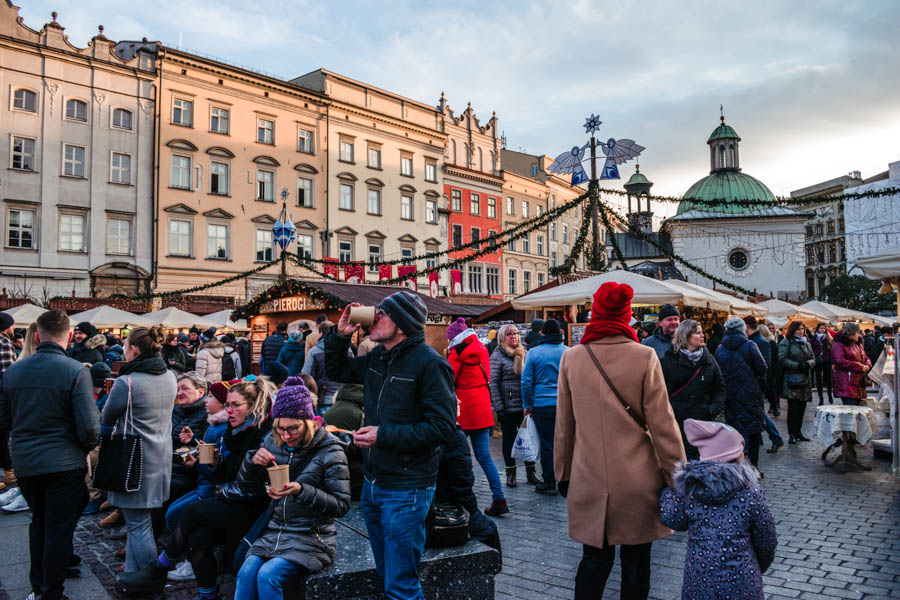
(455, 282)
(355, 273)
(331, 268)
(385, 272)
(405, 271)
(434, 287)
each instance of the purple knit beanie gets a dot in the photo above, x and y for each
(293, 401)
(456, 327)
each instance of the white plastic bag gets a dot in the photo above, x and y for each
(527, 446)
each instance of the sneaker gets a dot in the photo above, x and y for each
(148, 580)
(548, 488)
(183, 572)
(17, 505)
(9, 496)
(92, 508)
(113, 520)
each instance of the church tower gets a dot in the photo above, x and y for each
(723, 148)
(638, 187)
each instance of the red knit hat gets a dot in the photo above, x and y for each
(612, 302)
(220, 389)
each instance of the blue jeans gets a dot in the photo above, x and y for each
(263, 579)
(772, 432)
(545, 421)
(395, 520)
(173, 514)
(481, 447)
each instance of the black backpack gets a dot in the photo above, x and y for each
(228, 370)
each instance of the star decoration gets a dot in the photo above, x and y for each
(592, 124)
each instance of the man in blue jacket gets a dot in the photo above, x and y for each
(539, 379)
(410, 411)
(47, 403)
(661, 340)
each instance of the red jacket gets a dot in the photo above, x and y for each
(472, 371)
(848, 363)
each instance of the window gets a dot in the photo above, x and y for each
(265, 247)
(375, 157)
(738, 259)
(526, 245)
(406, 208)
(553, 231)
(524, 209)
(345, 251)
(539, 210)
(120, 168)
(474, 279)
(534, 170)
(182, 112)
(305, 141)
(346, 151)
(346, 199)
(218, 120)
(118, 236)
(511, 245)
(456, 200)
(510, 205)
(122, 119)
(304, 192)
(265, 131)
(76, 110)
(20, 231)
(305, 246)
(492, 275)
(492, 239)
(565, 239)
(218, 178)
(217, 241)
(512, 281)
(180, 242)
(476, 233)
(406, 253)
(71, 233)
(526, 282)
(73, 160)
(374, 257)
(492, 207)
(430, 263)
(474, 204)
(23, 154)
(430, 211)
(554, 259)
(181, 172)
(457, 236)
(406, 165)
(431, 171)
(374, 204)
(265, 185)
(25, 100)
(540, 245)
(540, 279)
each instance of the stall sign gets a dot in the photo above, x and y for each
(292, 304)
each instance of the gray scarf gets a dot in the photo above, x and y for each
(693, 356)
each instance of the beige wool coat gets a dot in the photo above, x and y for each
(616, 471)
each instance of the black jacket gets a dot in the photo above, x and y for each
(271, 346)
(743, 368)
(233, 448)
(90, 350)
(243, 349)
(702, 399)
(47, 403)
(193, 416)
(409, 396)
(175, 358)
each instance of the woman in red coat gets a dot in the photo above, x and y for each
(850, 364)
(472, 372)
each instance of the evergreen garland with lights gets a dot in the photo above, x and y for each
(290, 287)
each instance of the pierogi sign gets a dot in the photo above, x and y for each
(292, 304)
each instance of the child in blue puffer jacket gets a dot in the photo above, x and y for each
(717, 499)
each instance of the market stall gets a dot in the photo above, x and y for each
(175, 318)
(107, 317)
(836, 314)
(25, 314)
(781, 313)
(222, 319)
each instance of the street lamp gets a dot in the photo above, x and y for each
(283, 231)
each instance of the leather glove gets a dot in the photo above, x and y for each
(563, 488)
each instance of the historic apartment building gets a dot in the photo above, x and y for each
(525, 261)
(78, 127)
(383, 176)
(473, 195)
(230, 141)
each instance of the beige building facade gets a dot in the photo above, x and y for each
(78, 147)
(525, 262)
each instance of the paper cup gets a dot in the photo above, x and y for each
(206, 453)
(279, 476)
(362, 315)
(108, 383)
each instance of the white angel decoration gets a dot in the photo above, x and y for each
(616, 152)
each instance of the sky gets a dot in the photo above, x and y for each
(811, 87)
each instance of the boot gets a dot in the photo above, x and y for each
(802, 438)
(10, 477)
(792, 439)
(830, 398)
(774, 447)
(113, 520)
(548, 488)
(510, 477)
(149, 580)
(497, 508)
(531, 475)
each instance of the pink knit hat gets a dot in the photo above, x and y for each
(715, 441)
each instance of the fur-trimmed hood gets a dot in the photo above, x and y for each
(217, 418)
(97, 341)
(713, 482)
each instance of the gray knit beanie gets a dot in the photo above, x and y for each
(736, 323)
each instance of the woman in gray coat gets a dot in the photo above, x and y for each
(150, 387)
(798, 363)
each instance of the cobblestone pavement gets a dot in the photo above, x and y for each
(839, 535)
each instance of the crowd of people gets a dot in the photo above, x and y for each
(667, 436)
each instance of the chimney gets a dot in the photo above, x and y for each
(894, 171)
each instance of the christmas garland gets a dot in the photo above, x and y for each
(611, 235)
(200, 288)
(291, 287)
(569, 264)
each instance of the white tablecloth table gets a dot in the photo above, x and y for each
(843, 426)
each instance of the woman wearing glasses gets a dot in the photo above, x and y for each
(220, 520)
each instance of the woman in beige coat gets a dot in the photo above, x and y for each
(610, 468)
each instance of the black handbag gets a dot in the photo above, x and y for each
(446, 525)
(121, 458)
(796, 381)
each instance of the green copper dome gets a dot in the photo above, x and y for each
(723, 132)
(729, 184)
(638, 177)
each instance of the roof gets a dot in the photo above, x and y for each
(372, 295)
(657, 270)
(723, 132)
(638, 177)
(633, 246)
(728, 184)
(769, 211)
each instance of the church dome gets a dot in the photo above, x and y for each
(723, 132)
(638, 177)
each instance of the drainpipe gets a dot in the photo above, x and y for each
(327, 233)
(154, 183)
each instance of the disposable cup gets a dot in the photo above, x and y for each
(279, 476)
(206, 453)
(362, 315)
(108, 383)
